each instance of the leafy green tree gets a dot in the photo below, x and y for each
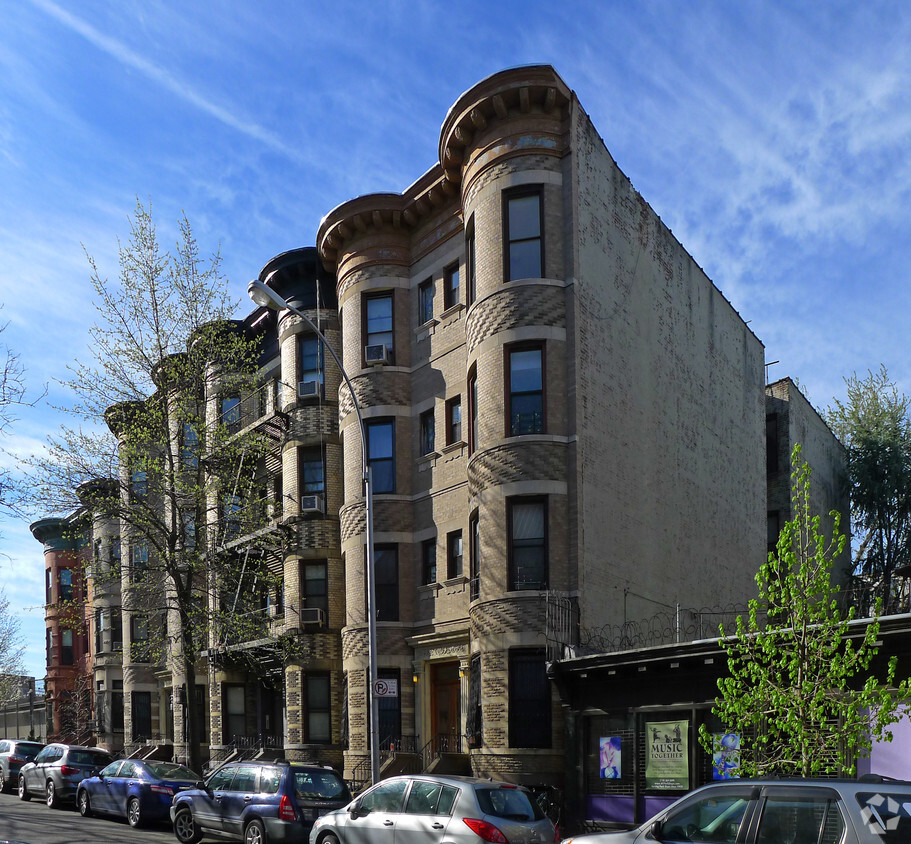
(799, 688)
(874, 424)
(162, 458)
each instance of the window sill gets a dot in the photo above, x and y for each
(452, 313)
(454, 446)
(458, 580)
(429, 587)
(425, 329)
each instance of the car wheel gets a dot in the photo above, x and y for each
(329, 838)
(53, 802)
(134, 812)
(23, 791)
(255, 833)
(85, 805)
(185, 828)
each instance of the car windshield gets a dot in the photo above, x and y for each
(318, 785)
(89, 757)
(170, 771)
(509, 803)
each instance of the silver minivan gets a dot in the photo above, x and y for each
(425, 809)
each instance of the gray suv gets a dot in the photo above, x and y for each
(57, 771)
(869, 810)
(14, 753)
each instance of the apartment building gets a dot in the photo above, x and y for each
(564, 422)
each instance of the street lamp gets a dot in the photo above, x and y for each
(265, 296)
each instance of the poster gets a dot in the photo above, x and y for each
(610, 758)
(667, 764)
(725, 756)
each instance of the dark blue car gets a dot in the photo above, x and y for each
(132, 789)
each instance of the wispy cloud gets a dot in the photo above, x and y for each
(178, 87)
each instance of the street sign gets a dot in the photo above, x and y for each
(386, 688)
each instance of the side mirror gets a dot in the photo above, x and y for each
(655, 830)
(355, 809)
(100, 775)
(202, 786)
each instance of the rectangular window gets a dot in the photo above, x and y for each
(454, 554)
(141, 715)
(189, 446)
(235, 712)
(472, 410)
(140, 558)
(66, 647)
(188, 524)
(428, 432)
(377, 327)
(474, 556)
(381, 454)
(117, 711)
(454, 420)
(319, 709)
(429, 561)
(139, 483)
(527, 543)
(116, 630)
(48, 587)
(230, 413)
(139, 638)
(311, 469)
(49, 645)
(524, 249)
(99, 631)
(115, 556)
(425, 301)
(524, 390)
(386, 562)
(470, 269)
(316, 586)
(312, 358)
(474, 721)
(529, 699)
(451, 286)
(66, 585)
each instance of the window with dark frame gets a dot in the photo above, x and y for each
(235, 709)
(425, 301)
(428, 432)
(311, 471)
(311, 358)
(377, 328)
(454, 554)
(524, 390)
(429, 561)
(99, 631)
(527, 543)
(230, 413)
(66, 585)
(139, 638)
(529, 699)
(386, 582)
(48, 587)
(319, 708)
(454, 420)
(472, 410)
(116, 630)
(451, 286)
(523, 227)
(470, 268)
(316, 585)
(141, 715)
(189, 446)
(139, 483)
(381, 454)
(474, 719)
(474, 556)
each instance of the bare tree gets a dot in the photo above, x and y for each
(11, 652)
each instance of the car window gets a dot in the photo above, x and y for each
(170, 771)
(90, 757)
(111, 770)
(43, 755)
(424, 798)
(129, 769)
(319, 785)
(270, 779)
(386, 797)
(4, 746)
(244, 778)
(221, 779)
(714, 817)
(800, 820)
(28, 748)
(509, 803)
(886, 814)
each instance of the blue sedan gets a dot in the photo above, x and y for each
(139, 791)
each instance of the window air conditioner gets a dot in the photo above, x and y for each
(311, 504)
(308, 389)
(376, 355)
(312, 615)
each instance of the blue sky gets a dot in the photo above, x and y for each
(773, 141)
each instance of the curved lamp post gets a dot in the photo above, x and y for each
(267, 297)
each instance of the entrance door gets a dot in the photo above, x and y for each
(446, 707)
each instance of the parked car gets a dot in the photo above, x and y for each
(140, 791)
(257, 802)
(432, 809)
(57, 771)
(779, 811)
(14, 753)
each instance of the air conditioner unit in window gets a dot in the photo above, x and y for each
(309, 389)
(312, 615)
(376, 355)
(311, 504)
